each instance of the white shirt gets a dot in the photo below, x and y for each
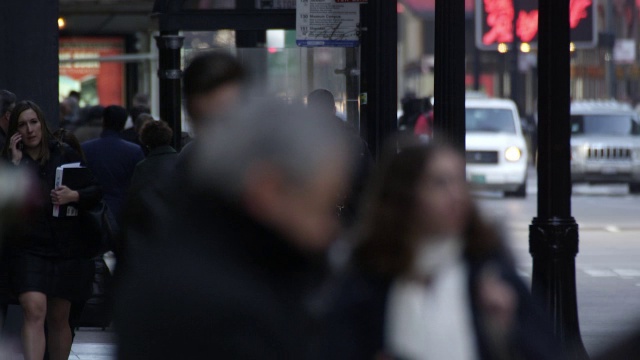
(432, 322)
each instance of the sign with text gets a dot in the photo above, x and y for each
(495, 21)
(327, 23)
(98, 82)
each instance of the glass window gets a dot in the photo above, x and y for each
(604, 125)
(490, 120)
(232, 4)
(281, 68)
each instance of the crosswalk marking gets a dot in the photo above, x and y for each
(612, 228)
(627, 272)
(600, 273)
(596, 272)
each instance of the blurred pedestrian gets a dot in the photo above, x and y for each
(131, 133)
(628, 347)
(138, 124)
(322, 102)
(48, 268)
(212, 85)
(7, 102)
(90, 127)
(160, 162)
(69, 113)
(112, 159)
(232, 273)
(431, 279)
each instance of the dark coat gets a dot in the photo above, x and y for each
(132, 136)
(3, 138)
(357, 318)
(211, 282)
(43, 233)
(112, 160)
(160, 162)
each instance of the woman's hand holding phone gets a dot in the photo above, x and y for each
(16, 146)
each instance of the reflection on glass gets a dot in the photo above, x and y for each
(490, 120)
(604, 125)
(280, 67)
(231, 4)
(210, 4)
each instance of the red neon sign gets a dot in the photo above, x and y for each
(499, 15)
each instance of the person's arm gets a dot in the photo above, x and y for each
(87, 196)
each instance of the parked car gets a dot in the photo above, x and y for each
(496, 149)
(605, 144)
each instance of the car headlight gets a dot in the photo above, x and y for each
(513, 154)
(579, 152)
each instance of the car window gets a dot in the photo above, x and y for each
(490, 120)
(604, 125)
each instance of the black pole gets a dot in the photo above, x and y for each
(449, 122)
(476, 68)
(169, 45)
(515, 53)
(553, 234)
(379, 72)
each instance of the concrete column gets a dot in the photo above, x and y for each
(29, 53)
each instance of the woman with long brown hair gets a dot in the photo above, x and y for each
(430, 278)
(47, 265)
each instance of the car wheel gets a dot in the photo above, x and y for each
(520, 192)
(634, 188)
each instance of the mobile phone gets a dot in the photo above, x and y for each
(20, 145)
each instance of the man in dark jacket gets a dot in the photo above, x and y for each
(161, 160)
(322, 102)
(231, 274)
(111, 159)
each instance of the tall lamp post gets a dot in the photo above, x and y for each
(553, 234)
(449, 122)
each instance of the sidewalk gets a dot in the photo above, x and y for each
(93, 344)
(89, 344)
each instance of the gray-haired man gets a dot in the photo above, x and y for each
(232, 274)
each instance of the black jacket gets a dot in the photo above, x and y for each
(356, 328)
(158, 164)
(211, 282)
(46, 235)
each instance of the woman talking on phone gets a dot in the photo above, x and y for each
(47, 266)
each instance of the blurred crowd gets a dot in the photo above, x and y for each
(271, 235)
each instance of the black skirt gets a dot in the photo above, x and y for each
(69, 279)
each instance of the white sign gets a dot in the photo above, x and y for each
(327, 23)
(624, 51)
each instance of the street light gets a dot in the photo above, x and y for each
(62, 23)
(525, 48)
(503, 48)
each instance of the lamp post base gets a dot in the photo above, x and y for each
(553, 244)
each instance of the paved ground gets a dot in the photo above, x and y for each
(608, 265)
